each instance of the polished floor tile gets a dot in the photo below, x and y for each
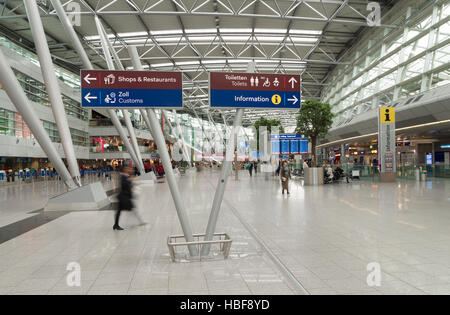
(326, 237)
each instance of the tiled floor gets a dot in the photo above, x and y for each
(18, 201)
(326, 237)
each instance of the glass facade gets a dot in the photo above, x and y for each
(12, 124)
(391, 64)
(70, 79)
(36, 92)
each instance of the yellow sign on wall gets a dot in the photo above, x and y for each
(387, 115)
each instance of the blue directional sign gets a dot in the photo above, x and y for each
(131, 89)
(244, 90)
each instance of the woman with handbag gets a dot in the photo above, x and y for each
(285, 177)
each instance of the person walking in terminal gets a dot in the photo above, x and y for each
(125, 195)
(250, 168)
(285, 173)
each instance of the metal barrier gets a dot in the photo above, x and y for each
(222, 239)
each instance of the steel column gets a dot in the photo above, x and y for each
(164, 114)
(15, 92)
(134, 142)
(205, 136)
(211, 120)
(125, 113)
(226, 170)
(52, 87)
(111, 112)
(180, 136)
(88, 65)
(71, 32)
(161, 143)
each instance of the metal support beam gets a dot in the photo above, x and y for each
(88, 65)
(219, 132)
(164, 114)
(226, 170)
(186, 154)
(15, 92)
(71, 32)
(125, 113)
(52, 87)
(176, 132)
(161, 143)
(134, 142)
(111, 112)
(205, 136)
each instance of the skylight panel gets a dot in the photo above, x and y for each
(307, 32)
(132, 34)
(168, 32)
(271, 30)
(201, 31)
(236, 30)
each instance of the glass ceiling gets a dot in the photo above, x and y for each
(307, 37)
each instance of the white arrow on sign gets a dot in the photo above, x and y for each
(294, 99)
(88, 97)
(293, 81)
(88, 79)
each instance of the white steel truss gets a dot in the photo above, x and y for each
(305, 37)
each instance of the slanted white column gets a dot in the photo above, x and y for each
(15, 92)
(223, 179)
(52, 87)
(172, 181)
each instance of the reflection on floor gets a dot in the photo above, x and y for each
(326, 236)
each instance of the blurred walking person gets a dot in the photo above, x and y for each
(250, 168)
(125, 197)
(285, 174)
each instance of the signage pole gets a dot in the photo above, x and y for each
(386, 144)
(161, 143)
(226, 170)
